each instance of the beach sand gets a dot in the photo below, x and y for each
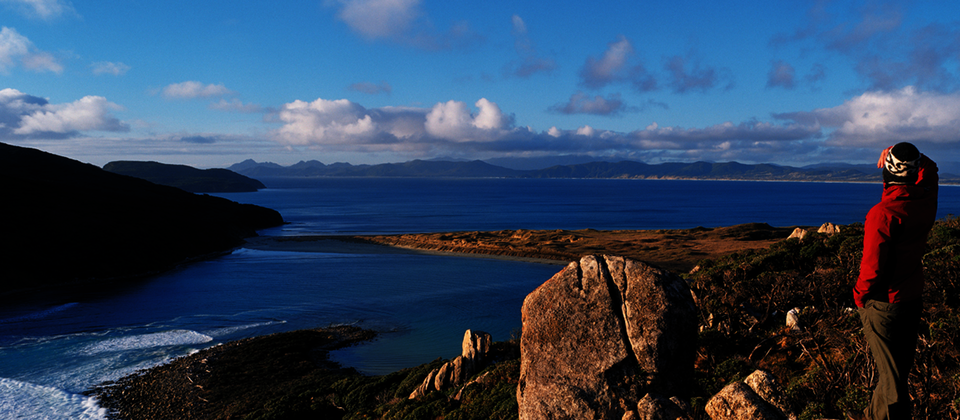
(676, 249)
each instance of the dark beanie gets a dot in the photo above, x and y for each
(902, 164)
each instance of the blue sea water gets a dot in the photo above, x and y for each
(51, 350)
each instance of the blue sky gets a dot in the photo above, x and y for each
(213, 83)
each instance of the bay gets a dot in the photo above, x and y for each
(53, 349)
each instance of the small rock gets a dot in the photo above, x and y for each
(793, 320)
(829, 229)
(738, 401)
(798, 233)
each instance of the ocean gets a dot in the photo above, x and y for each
(54, 348)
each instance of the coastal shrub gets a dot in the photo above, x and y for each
(812, 411)
(744, 298)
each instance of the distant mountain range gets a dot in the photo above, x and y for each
(620, 170)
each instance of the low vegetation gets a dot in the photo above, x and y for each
(824, 366)
(743, 299)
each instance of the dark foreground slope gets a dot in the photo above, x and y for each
(65, 221)
(185, 177)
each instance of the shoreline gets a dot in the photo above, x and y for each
(678, 250)
(333, 244)
(241, 377)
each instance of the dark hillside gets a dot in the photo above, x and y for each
(65, 221)
(185, 177)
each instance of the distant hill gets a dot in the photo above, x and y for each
(837, 172)
(185, 177)
(702, 170)
(624, 169)
(540, 162)
(67, 222)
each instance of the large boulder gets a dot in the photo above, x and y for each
(602, 333)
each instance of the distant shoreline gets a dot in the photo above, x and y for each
(947, 182)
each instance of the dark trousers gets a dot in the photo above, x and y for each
(891, 332)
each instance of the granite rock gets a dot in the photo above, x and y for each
(602, 333)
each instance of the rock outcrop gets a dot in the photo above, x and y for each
(602, 333)
(472, 359)
(825, 229)
(759, 397)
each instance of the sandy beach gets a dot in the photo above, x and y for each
(679, 249)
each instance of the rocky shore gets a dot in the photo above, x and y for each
(232, 380)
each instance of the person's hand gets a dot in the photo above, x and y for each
(883, 157)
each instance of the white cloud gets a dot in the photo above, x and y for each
(106, 67)
(25, 116)
(193, 89)
(42, 9)
(379, 18)
(323, 122)
(586, 131)
(16, 48)
(345, 124)
(876, 119)
(610, 67)
(453, 121)
(453, 128)
(236, 105)
(401, 21)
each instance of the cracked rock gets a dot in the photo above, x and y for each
(602, 333)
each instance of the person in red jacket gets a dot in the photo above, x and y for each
(889, 288)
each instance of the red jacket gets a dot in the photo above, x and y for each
(895, 239)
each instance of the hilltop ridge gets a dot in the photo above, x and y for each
(67, 222)
(185, 177)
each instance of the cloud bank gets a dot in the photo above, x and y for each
(870, 121)
(24, 117)
(851, 131)
(878, 119)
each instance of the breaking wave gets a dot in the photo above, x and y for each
(22, 400)
(146, 341)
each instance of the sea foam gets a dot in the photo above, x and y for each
(22, 400)
(146, 341)
(220, 332)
